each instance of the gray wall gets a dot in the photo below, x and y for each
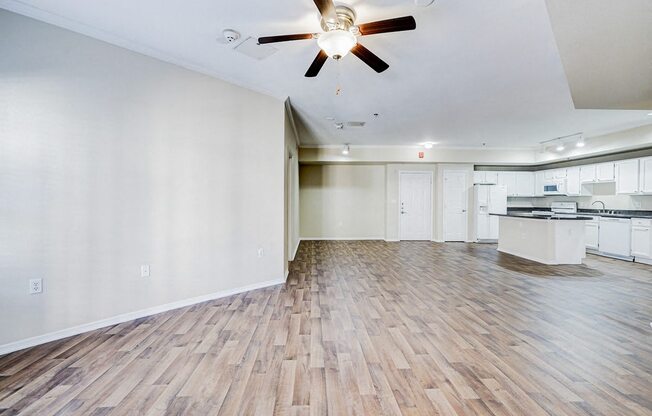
(110, 160)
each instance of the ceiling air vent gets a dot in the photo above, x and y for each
(355, 123)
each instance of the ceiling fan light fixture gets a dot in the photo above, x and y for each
(337, 43)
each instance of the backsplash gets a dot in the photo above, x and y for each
(601, 192)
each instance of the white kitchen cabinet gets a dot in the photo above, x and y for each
(627, 177)
(645, 178)
(524, 184)
(538, 183)
(485, 177)
(549, 174)
(605, 172)
(592, 234)
(588, 174)
(508, 180)
(642, 238)
(560, 173)
(573, 183)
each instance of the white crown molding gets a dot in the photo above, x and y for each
(116, 40)
(130, 316)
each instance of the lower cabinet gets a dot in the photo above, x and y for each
(642, 238)
(592, 234)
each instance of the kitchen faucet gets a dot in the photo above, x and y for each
(603, 206)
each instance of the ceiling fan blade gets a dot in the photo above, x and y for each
(390, 25)
(369, 58)
(316, 65)
(284, 38)
(327, 10)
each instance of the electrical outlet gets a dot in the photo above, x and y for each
(35, 286)
(261, 252)
(144, 270)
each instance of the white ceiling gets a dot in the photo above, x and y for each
(606, 48)
(474, 71)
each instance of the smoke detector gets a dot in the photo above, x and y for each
(229, 36)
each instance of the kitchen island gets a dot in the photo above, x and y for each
(547, 239)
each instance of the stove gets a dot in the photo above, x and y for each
(560, 209)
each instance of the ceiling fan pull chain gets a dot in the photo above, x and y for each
(338, 86)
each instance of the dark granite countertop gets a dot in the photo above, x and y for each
(545, 217)
(611, 213)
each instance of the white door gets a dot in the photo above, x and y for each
(455, 205)
(415, 205)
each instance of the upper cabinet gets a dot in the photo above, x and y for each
(524, 184)
(631, 177)
(645, 180)
(539, 183)
(560, 173)
(627, 177)
(508, 180)
(588, 174)
(485, 178)
(605, 172)
(573, 182)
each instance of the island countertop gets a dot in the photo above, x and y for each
(528, 215)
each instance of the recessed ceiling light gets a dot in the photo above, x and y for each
(580, 143)
(330, 118)
(428, 145)
(560, 148)
(649, 114)
(346, 150)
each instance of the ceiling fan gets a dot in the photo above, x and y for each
(341, 34)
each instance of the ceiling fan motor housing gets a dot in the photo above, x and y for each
(346, 17)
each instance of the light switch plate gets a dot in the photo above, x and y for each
(144, 270)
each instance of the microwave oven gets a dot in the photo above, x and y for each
(555, 188)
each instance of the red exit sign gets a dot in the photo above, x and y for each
(422, 155)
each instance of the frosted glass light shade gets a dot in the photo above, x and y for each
(337, 43)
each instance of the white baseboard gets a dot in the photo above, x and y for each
(130, 316)
(342, 238)
(296, 248)
(392, 241)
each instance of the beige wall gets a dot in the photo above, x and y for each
(110, 160)
(342, 201)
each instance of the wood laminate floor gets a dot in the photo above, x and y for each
(369, 328)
